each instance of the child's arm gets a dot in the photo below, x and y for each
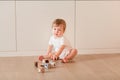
(54, 57)
(49, 50)
(59, 51)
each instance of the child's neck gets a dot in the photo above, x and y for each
(57, 36)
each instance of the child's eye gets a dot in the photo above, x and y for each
(60, 30)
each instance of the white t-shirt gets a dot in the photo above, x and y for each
(57, 42)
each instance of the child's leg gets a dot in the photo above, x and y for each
(71, 55)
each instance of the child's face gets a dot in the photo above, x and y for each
(58, 31)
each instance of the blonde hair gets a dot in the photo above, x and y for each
(59, 22)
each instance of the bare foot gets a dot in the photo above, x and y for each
(65, 60)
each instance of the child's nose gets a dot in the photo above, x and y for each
(56, 31)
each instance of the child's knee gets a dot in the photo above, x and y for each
(75, 51)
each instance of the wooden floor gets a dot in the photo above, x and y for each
(85, 67)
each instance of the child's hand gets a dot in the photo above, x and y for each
(54, 57)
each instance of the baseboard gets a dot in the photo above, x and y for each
(21, 53)
(98, 51)
(37, 53)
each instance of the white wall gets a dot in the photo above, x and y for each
(98, 26)
(7, 26)
(33, 24)
(34, 20)
(92, 26)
